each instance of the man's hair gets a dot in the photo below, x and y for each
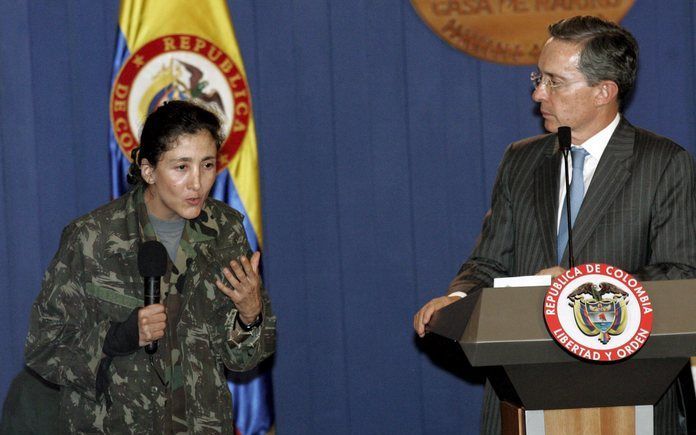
(609, 52)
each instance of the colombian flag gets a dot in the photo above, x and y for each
(178, 49)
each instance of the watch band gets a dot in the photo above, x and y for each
(251, 325)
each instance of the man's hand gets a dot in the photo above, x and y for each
(553, 271)
(152, 320)
(245, 292)
(423, 315)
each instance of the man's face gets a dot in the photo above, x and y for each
(565, 97)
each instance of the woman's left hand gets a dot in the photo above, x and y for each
(243, 275)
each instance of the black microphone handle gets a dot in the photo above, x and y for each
(571, 258)
(152, 296)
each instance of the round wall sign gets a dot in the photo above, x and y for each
(507, 31)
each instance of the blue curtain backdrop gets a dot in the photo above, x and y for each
(378, 147)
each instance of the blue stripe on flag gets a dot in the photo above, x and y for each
(119, 162)
(253, 402)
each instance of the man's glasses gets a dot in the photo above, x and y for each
(550, 84)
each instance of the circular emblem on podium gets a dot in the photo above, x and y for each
(598, 312)
(507, 31)
(180, 67)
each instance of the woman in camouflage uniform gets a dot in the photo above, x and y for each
(88, 325)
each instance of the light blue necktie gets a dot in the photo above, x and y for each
(577, 192)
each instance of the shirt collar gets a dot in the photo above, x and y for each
(596, 145)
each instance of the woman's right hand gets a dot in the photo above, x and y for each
(152, 321)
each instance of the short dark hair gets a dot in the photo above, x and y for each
(609, 51)
(164, 126)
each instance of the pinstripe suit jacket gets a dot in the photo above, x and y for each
(638, 214)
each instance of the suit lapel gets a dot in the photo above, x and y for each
(546, 198)
(613, 171)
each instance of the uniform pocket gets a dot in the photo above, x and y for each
(117, 306)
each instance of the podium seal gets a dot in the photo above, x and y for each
(598, 312)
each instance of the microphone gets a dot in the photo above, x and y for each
(564, 139)
(564, 142)
(152, 265)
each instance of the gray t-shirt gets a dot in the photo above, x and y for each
(169, 233)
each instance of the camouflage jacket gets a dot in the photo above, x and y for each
(93, 280)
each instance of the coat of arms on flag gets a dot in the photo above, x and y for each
(180, 67)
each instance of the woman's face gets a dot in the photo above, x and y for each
(178, 186)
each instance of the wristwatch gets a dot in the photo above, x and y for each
(251, 325)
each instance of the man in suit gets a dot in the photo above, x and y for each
(637, 213)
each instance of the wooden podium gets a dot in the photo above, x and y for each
(546, 390)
